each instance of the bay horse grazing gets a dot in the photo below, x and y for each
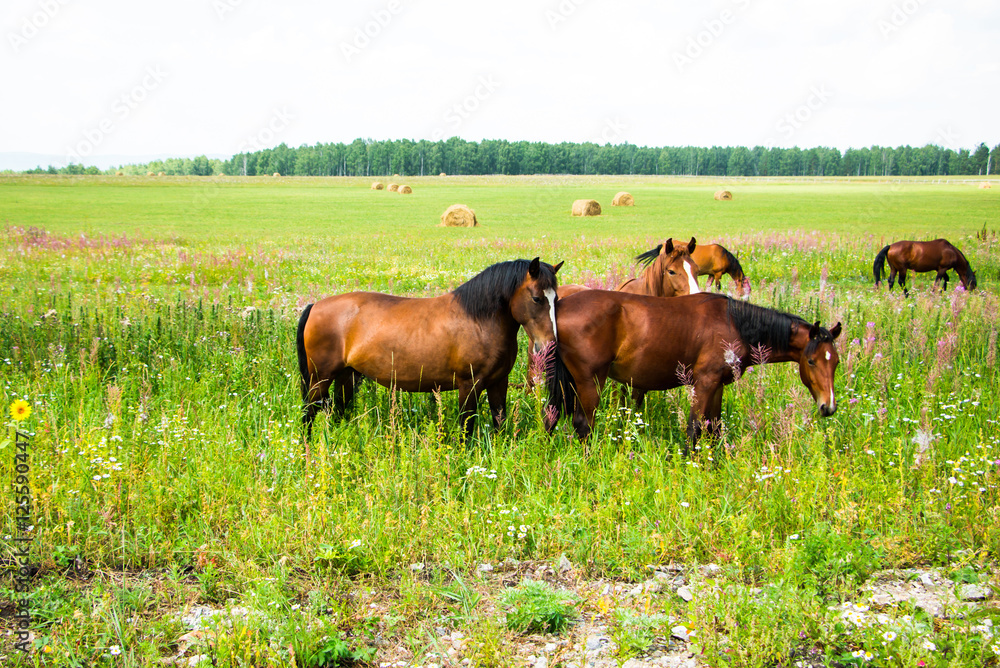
(938, 255)
(714, 261)
(659, 344)
(465, 340)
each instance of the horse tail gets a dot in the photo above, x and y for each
(562, 391)
(879, 266)
(300, 346)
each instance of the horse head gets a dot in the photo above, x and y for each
(817, 366)
(533, 305)
(676, 269)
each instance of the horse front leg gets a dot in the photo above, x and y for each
(468, 407)
(701, 409)
(496, 394)
(943, 279)
(588, 395)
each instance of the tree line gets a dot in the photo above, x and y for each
(366, 157)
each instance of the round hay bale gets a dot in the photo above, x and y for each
(623, 199)
(459, 215)
(442, 174)
(395, 176)
(393, 187)
(276, 174)
(586, 207)
(150, 174)
(405, 190)
(378, 185)
(119, 173)
(162, 174)
(723, 195)
(985, 185)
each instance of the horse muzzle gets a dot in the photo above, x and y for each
(826, 410)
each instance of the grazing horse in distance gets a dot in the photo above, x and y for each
(465, 340)
(938, 255)
(659, 344)
(714, 260)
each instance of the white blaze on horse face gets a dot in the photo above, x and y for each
(827, 355)
(692, 283)
(551, 296)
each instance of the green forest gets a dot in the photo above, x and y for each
(366, 157)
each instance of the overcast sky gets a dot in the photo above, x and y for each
(187, 77)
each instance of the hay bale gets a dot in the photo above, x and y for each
(395, 176)
(985, 185)
(459, 215)
(276, 174)
(623, 199)
(723, 195)
(162, 174)
(393, 187)
(405, 190)
(442, 174)
(119, 173)
(378, 185)
(150, 174)
(586, 207)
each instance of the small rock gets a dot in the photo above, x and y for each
(595, 643)
(660, 576)
(681, 632)
(606, 590)
(550, 647)
(457, 635)
(441, 631)
(972, 592)
(711, 570)
(416, 567)
(925, 579)
(637, 590)
(485, 568)
(197, 659)
(564, 564)
(510, 564)
(542, 662)
(685, 593)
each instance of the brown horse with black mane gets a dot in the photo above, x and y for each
(938, 255)
(465, 340)
(670, 271)
(659, 344)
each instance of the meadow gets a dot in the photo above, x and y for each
(149, 323)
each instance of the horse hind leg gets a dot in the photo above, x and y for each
(943, 279)
(902, 283)
(345, 386)
(315, 399)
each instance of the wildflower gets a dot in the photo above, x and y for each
(47, 649)
(685, 504)
(356, 543)
(928, 645)
(20, 410)
(115, 650)
(794, 536)
(889, 636)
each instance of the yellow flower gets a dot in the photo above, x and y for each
(20, 410)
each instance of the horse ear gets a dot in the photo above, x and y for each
(691, 245)
(835, 332)
(667, 247)
(814, 330)
(533, 268)
(555, 269)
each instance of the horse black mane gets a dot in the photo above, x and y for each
(648, 257)
(761, 326)
(490, 291)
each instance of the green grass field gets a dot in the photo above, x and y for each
(149, 323)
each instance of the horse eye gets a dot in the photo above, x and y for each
(537, 300)
(812, 362)
(671, 272)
